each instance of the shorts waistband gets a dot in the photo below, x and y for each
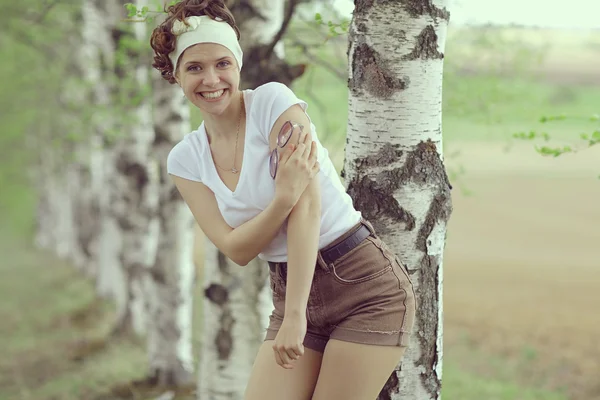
(339, 247)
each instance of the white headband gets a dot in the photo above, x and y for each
(204, 29)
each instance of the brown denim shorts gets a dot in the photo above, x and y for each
(364, 296)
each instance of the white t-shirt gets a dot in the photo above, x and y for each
(191, 159)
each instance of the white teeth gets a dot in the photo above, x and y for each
(213, 95)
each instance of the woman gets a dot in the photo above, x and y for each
(343, 304)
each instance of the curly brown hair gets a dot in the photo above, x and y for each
(163, 41)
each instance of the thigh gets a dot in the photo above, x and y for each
(268, 381)
(352, 371)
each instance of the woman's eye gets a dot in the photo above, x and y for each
(224, 63)
(193, 68)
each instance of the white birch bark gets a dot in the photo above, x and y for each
(236, 311)
(394, 164)
(170, 290)
(237, 301)
(134, 187)
(105, 242)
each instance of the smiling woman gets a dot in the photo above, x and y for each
(343, 305)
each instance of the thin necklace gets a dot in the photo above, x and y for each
(233, 169)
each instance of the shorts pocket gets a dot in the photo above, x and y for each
(362, 264)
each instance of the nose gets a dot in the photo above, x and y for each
(211, 77)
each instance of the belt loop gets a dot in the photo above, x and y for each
(369, 227)
(321, 263)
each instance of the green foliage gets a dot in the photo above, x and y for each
(144, 14)
(589, 139)
(332, 26)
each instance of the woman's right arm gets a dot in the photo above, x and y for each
(245, 242)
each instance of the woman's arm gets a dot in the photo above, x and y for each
(243, 243)
(303, 229)
(295, 171)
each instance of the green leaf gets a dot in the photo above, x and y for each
(318, 17)
(131, 9)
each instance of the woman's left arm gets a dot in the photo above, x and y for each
(303, 229)
(303, 239)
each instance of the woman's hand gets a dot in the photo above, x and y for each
(288, 345)
(298, 165)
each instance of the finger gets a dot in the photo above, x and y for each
(308, 139)
(313, 152)
(278, 359)
(306, 151)
(299, 153)
(293, 354)
(286, 153)
(302, 136)
(285, 357)
(315, 170)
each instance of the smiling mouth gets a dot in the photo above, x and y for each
(213, 95)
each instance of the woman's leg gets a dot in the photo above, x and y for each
(269, 381)
(352, 371)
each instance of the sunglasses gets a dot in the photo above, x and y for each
(286, 132)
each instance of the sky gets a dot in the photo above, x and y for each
(582, 14)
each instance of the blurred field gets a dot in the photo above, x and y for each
(522, 262)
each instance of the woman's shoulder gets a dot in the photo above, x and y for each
(271, 87)
(270, 92)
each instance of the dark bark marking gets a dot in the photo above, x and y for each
(391, 387)
(224, 339)
(133, 170)
(362, 6)
(375, 198)
(158, 275)
(440, 209)
(426, 47)
(260, 68)
(174, 194)
(387, 154)
(417, 8)
(370, 73)
(217, 294)
(427, 329)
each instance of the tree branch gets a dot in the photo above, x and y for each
(291, 8)
(337, 72)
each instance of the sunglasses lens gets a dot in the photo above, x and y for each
(284, 134)
(273, 163)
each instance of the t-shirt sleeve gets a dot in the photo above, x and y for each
(272, 100)
(181, 162)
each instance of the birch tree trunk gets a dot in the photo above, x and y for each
(394, 165)
(134, 182)
(67, 214)
(237, 299)
(236, 312)
(169, 289)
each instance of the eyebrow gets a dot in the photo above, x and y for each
(198, 62)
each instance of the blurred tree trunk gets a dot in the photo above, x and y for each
(170, 289)
(237, 300)
(394, 165)
(135, 177)
(67, 187)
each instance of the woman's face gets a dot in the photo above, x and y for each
(209, 77)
